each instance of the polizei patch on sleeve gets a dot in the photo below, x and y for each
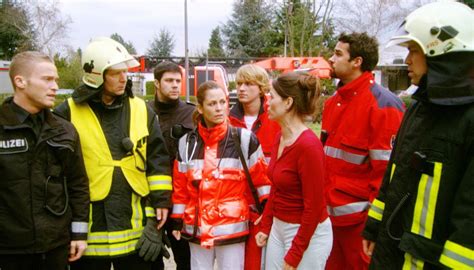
(11, 146)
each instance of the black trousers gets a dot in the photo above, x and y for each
(55, 259)
(129, 262)
(181, 253)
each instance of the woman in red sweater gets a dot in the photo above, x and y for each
(295, 221)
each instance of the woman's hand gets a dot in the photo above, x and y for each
(176, 234)
(368, 247)
(261, 239)
(287, 266)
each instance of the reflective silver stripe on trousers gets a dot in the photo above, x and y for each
(79, 227)
(346, 156)
(178, 209)
(347, 209)
(380, 154)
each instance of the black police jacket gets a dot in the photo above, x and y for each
(44, 192)
(423, 217)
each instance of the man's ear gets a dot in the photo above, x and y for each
(157, 84)
(358, 62)
(19, 82)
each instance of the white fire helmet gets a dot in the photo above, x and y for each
(101, 54)
(438, 28)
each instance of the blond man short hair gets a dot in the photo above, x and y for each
(254, 74)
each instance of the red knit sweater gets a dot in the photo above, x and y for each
(297, 194)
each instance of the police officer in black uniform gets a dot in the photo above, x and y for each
(44, 193)
(175, 118)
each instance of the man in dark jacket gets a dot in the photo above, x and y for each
(176, 119)
(44, 192)
(125, 159)
(423, 217)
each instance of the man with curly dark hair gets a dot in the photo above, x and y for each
(359, 123)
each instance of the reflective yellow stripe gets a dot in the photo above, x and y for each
(425, 206)
(457, 257)
(412, 263)
(150, 212)
(113, 237)
(137, 211)
(160, 182)
(392, 172)
(111, 250)
(376, 209)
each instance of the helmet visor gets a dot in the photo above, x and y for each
(125, 65)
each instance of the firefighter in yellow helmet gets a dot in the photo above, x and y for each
(423, 217)
(126, 161)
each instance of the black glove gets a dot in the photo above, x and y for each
(151, 244)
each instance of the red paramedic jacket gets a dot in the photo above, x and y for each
(358, 130)
(209, 185)
(264, 128)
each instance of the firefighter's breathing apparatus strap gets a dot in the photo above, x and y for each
(236, 138)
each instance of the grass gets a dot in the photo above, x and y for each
(316, 127)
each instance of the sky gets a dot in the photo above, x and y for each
(139, 21)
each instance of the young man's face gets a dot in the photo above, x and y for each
(342, 67)
(214, 107)
(416, 61)
(247, 92)
(115, 81)
(168, 88)
(40, 86)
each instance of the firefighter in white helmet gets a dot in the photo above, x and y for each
(423, 217)
(126, 161)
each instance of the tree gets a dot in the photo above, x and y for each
(246, 31)
(69, 69)
(16, 30)
(162, 45)
(302, 28)
(127, 44)
(215, 44)
(470, 3)
(376, 17)
(50, 26)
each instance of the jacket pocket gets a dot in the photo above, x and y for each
(56, 197)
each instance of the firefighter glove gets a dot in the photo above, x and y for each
(151, 243)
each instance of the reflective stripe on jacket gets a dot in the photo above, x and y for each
(209, 184)
(358, 128)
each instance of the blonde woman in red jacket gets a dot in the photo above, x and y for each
(209, 200)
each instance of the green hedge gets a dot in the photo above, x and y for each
(150, 88)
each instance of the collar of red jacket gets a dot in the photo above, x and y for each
(363, 83)
(237, 111)
(212, 135)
